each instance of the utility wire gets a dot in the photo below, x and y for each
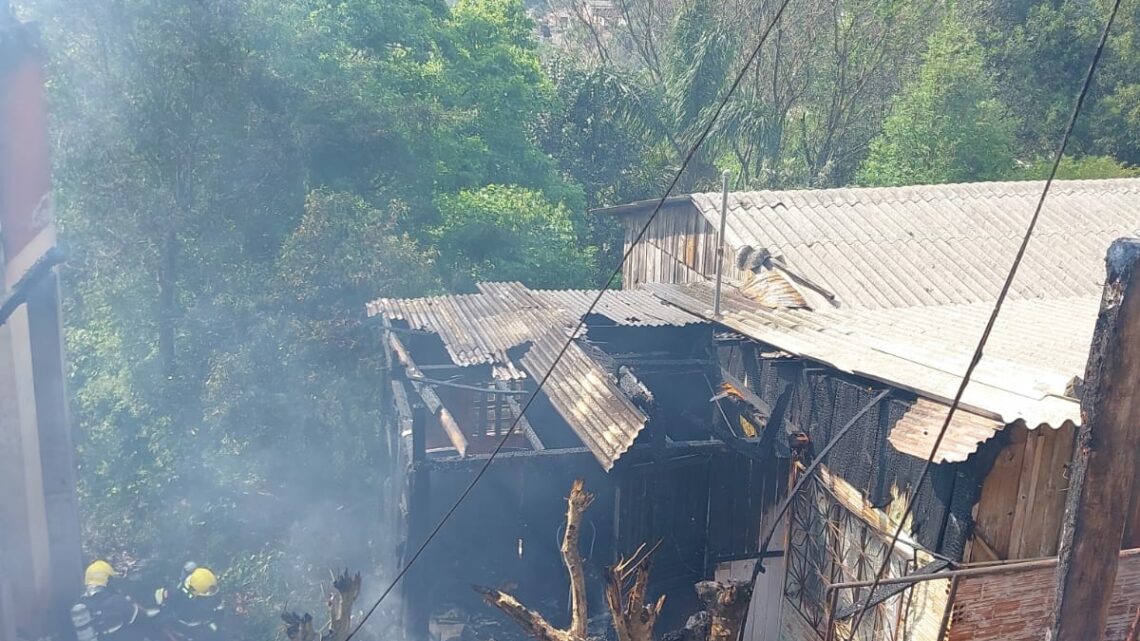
(582, 321)
(806, 475)
(993, 319)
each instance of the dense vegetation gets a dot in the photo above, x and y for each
(237, 177)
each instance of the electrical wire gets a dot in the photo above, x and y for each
(992, 320)
(817, 459)
(582, 321)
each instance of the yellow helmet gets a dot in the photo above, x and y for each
(201, 582)
(98, 574)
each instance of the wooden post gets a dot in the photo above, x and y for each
(416, 599)
(419, 436)
(1100, 488)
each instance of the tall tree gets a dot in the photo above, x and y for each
(946, 126)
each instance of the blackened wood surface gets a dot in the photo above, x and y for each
(1102, 471)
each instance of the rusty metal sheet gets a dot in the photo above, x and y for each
(586, 396)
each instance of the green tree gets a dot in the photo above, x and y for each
(946, 126)
(508, 233)
(1077, 168)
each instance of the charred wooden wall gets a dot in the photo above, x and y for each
(506, 534)
(821, 401)
(701, 509)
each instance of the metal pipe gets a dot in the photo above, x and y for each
(720, 242)
(987, 570)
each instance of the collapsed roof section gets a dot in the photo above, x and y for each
(503, 320)
(1029, 372)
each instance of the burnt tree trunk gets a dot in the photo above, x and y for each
(346, 589)
(633, 617)
(532, 622)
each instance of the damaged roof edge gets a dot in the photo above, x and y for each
(629, 208)
(598, 411)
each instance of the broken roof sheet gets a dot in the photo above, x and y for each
(1036, 350)
(482, 328)
(586, 396)
(932, 244)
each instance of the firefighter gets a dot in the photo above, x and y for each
(112, 612)
(194, 608)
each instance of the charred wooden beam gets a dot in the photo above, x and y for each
(405, 424)
(435, 382)
(1103, 469)
(674, 449)
(428, 394)
(738, 390)
(524, 424)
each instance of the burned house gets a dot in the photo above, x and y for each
(627, 408)
(835, 296)
(848, 310)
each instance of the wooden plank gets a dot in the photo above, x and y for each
(1035, 533)
(1106, 455)
(1053, 485)
(998, 502)
(430, 398)
(1025, 487)
(524, 424)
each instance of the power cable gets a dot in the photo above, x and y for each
(804, 477)
(992, 320)
(582, 321)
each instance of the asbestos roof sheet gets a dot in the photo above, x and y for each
(585, 395)
(480, 328)
(934, 244)
(1037, 348)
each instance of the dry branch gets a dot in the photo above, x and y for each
(346, 589)
(532, 622)
(633, 617)
(577, 503)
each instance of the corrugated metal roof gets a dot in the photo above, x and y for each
(1036, 349)
(586, 396)
(934, 244)
(916, 430)
(480, 328)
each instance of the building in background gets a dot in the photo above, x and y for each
(40, 568)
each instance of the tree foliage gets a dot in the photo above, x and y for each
(946, 126)
(507, 233)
